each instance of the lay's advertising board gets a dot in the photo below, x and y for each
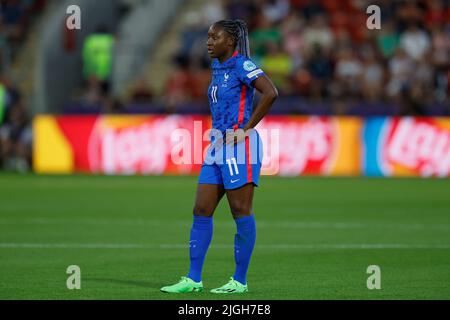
(406, 147)
(293, 145)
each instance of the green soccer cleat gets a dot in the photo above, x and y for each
(185, 285)
(232, 286)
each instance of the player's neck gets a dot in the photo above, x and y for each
(227, 56)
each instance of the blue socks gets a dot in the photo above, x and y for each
(201, 235)
(244, 242)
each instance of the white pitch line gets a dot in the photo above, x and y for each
(323, 246)
(259, 223)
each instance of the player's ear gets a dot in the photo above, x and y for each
(230, 41)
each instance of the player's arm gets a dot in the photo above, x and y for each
(269, 94)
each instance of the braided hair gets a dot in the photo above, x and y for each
(238, 30)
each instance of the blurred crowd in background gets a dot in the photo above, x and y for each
(15, 123)
(324, 60)
(319, 53)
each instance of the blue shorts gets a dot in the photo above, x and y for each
(233, 165)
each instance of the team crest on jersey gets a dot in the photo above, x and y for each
(249, 66)
(225, 80)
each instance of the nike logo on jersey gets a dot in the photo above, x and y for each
(233, 181)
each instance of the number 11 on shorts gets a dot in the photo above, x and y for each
(229, 161)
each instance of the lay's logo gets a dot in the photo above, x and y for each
(408, 147)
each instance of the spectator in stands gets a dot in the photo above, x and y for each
(301, 82)
(440, 59)
(409, 13)
(349, 72)
(388, 40)
(178, 88)
(275, 10)
(423, 74)
(440, 44)
(16, 140)
(201, 76)
(318, 32)
(141, 92)
(98, 54)
(193, 36)
(264, 33)
(278, 66)
(415, 42)
(437, 13)
(400, 70)
(321, 70)
(311, 8)
(9, 96)
(413, 100)
(13, 19)
(420, 93)
(292, 37)
(373, 76)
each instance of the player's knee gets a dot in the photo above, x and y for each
(202, 210)
(239, 209)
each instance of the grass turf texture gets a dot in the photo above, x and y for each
(315, 238)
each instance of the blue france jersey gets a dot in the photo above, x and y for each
(231, 92)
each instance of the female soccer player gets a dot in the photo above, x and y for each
(234, 78)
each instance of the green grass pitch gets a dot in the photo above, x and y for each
(315, 238)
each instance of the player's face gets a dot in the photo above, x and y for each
(219, 42)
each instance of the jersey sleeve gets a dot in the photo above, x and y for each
(248, 71)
